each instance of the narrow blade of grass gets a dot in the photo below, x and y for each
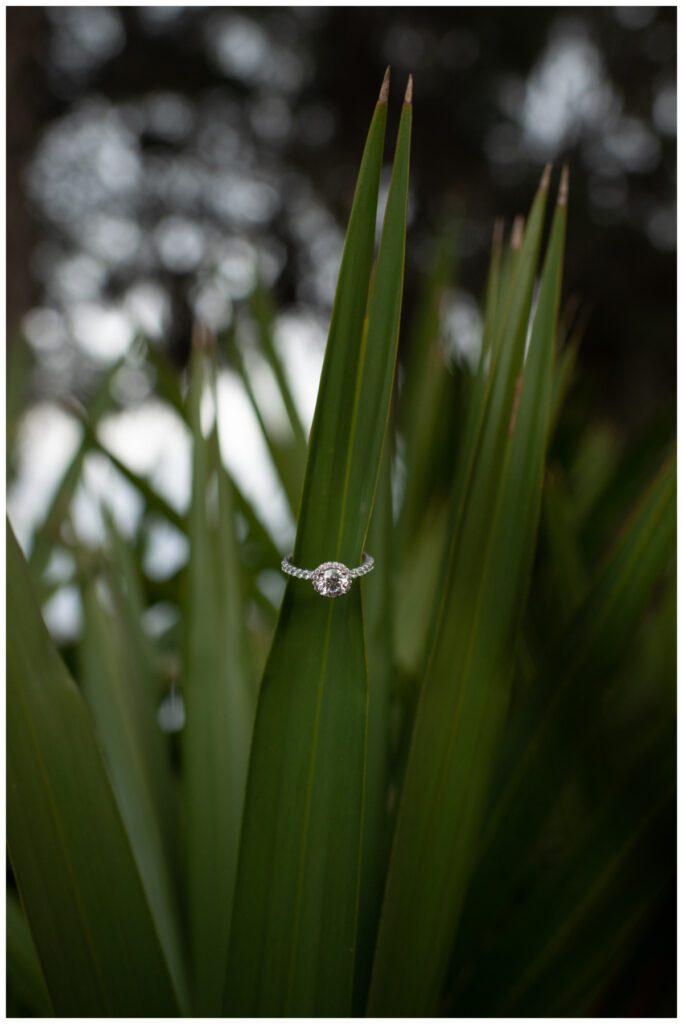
(258, 549)
(418, 582)
(262, 310)
(123, 705)
(287, 451)
(154, 502)
(358, 372)
(124, 583)
(427, 407)
(565, 370)
(295, 920)
(378, 608)
(424, 524)
(71, 857)
(48, 532)
(219, 701)
(128, 597)
(464, 698)
(538, 749)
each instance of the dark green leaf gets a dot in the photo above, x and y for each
(546, 736)
(219, 700)
(296, 910)
(119, 691)
(464, 697)
(71, 857)
(25, 982)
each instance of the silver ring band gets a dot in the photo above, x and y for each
(331, 579)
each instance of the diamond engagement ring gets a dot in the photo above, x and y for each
(331, 579)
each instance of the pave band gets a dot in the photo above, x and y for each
(331, 579)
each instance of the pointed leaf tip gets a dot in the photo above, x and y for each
(384, 91)
(517, 234)
(408, 98)
(545, 178)
(201, 336)
(563, 192)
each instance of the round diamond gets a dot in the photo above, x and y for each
(332, 579)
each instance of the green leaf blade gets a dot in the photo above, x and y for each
(48, 531)
(294, 926)
(571, 932)
(464, 698)
(71, 857)
(121, 699)
(219, 700)
(26, 990)
(334, 430)
(538, 749)
(378, 614)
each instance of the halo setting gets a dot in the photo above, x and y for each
(331, 579)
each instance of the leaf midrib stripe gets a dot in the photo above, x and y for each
(166, 931)
(464, 688)
(303, 846)
(364, 789)
(90, 946)
(438, 788)
(468, 658)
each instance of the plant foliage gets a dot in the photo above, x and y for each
(450, 791)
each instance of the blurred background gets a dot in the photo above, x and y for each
(160, 159)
